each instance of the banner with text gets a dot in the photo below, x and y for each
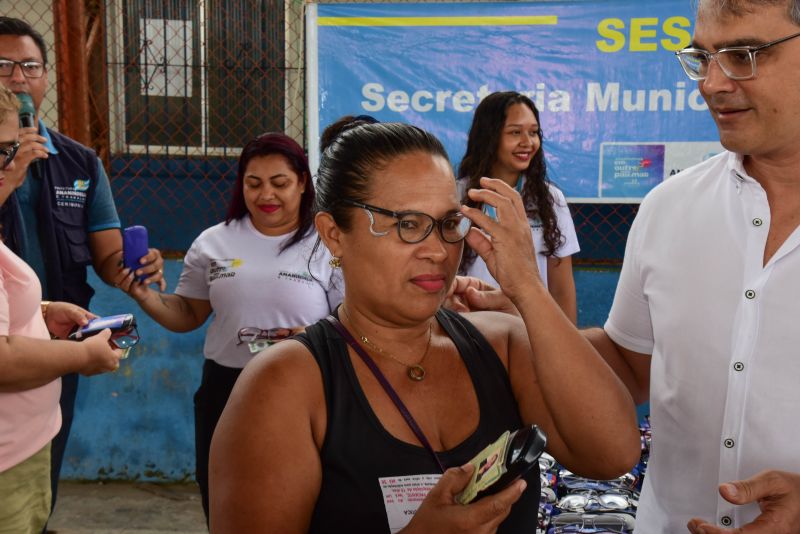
(617, 112)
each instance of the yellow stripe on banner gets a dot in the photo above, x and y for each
(438, 21)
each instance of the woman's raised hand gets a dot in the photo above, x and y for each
(504, 244)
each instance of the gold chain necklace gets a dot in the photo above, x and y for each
(414, 371)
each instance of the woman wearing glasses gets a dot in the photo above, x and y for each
(31, 365)
(505, 142)
(313, 438)
(253, 272)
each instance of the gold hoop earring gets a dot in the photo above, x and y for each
(335, 262)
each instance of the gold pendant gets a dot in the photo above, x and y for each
(416, 373)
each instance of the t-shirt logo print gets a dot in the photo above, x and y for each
(303, 278)
(223, 268)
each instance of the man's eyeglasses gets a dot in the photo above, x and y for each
(30, 69)
(7, 153)
(737, 62)
(415, 226)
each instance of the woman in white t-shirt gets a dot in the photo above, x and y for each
(253, 272)
(505, 142)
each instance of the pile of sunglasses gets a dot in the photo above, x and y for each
(574, 504)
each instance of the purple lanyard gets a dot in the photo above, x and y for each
(386, 386)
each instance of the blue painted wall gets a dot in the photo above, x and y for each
(137, 423)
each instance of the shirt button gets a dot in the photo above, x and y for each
(750, 294)
(728, 443)
(725, 521)
(738, 366)
(757, 222)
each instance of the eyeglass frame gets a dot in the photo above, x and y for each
(368, 208)
(751, 52)
(270, 334)
(566, 522)
(131, 333)
(9, 154)
(593, 501)
(22, 68)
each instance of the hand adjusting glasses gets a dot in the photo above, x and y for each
(415, 226)
(736, 62)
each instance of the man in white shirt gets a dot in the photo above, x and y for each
(705, 318)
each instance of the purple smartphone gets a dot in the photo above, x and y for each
(134, 246)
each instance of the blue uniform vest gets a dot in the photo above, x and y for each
(69, 179)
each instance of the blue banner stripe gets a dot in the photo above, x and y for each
(439, 21)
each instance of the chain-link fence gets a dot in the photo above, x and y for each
(170, 90)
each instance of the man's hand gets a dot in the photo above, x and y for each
(468, 294)
(62, 317)
(777, 494)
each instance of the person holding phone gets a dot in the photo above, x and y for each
(255, 272)
(31, 364)
(62, 217)
(505, 142)
(311, 440)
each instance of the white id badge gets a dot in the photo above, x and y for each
(258, 346)
(402, 497)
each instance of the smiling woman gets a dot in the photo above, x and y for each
(312, 439)
(505, 142)
(256, 271)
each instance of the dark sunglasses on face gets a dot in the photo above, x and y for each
(7, 154)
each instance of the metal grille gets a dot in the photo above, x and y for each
(172, 90)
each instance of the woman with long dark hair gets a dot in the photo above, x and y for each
(505, 142)
(253, 272)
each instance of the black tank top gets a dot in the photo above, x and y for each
(357, 450)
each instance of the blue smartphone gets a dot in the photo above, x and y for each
(122, 324)
(134, 246)
(124, 334)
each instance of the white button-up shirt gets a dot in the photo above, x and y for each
(724, 332)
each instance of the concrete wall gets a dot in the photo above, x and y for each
(137, 423)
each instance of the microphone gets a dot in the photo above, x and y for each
(27, 119)
(27, 113)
